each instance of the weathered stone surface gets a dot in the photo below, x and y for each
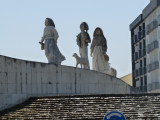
(87, 107)
(20, 80)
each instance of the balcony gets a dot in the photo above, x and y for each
(137, 73)
(141, 89)
(135, 38)
(136, 56)
(144, 52)
(152, 46)
(141, 71)
(134, 74)
(153, 66)
(141, 34)
(132, 40)
(141, 53)
(152, 26)
(144, 70)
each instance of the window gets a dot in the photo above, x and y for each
(159, 20)
(156, 44)
(145, 80)
(155, 24)
(144, 43)
(141, 81)
(137, 83)
(149, 48)
(143, 26)
(144, 61)
(156, 64)
(140, 28)
(135, 38)
(152, 46)
(132, 33)
(148, 28)
(140, 46)
(140, 63)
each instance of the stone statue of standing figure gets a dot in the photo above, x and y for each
(83, 39)
(50, 36)
(98, 52)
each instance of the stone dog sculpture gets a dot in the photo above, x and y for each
(81, 61)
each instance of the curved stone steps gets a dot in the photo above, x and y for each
(86, 107)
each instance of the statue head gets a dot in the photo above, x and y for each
(49, 22)
(84, 26)
(98, 32)
(74, 55)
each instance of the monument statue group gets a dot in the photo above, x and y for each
(100, 60)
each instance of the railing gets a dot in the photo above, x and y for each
(141, 34)
(137, 38)
(144, 52)
(152, 46)
(141, 53)
(152, 26)
(153, 66)
(141, 89)
(136, 56)
(140, 71)
(144, 70)
(137, 73)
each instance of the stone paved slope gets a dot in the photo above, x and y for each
(86, 107)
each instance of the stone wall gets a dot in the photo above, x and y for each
(21, 79)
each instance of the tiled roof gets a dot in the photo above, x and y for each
(87, 107)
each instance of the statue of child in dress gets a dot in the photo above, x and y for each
(50, 37)
(83, 39)
(98, 52)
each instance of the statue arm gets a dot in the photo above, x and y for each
(78, 40)
(92, 46)
(87, 38)
(104, 46)
(55, 34)
(43, 37)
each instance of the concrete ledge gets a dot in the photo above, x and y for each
(20, 80)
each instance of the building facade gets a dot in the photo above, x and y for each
(145, 46)
(127, 79)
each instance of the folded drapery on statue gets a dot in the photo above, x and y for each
(42, 45)
(106, 57)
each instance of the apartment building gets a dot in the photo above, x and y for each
(145, 42)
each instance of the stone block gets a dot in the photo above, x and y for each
(34, 88)
(92, 88)
(12, 77)
(19, 88)
(34, 77)
(12, 88)
(29, 88)
(28, 67)
(2, 64)
(3, 88)
(4, 77)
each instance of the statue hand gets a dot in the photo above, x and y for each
(78, 36)
(40, 42)
(42, 45)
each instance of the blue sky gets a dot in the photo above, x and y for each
(22, 24)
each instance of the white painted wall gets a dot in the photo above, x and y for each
(21, 79)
